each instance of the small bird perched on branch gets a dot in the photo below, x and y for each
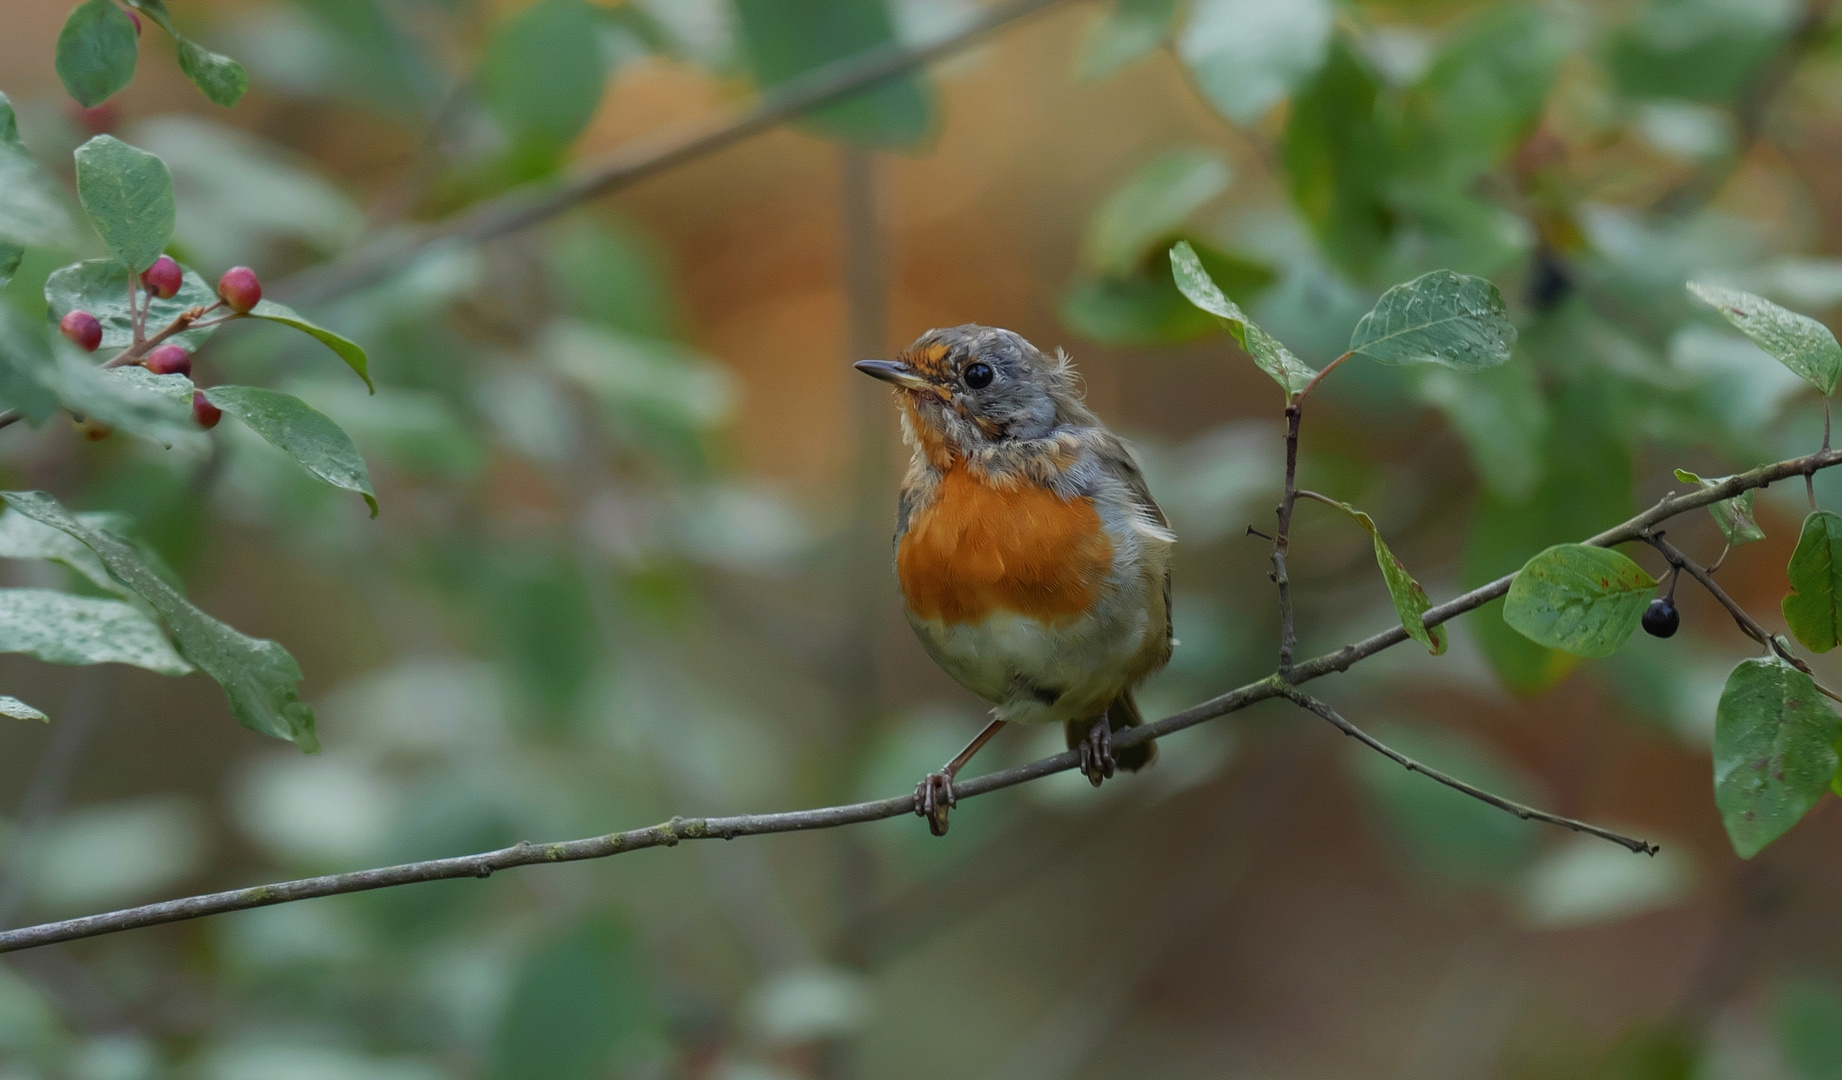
(1033, 561)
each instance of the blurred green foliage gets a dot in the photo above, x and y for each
(576, 613)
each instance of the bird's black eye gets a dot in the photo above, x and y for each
(977, 376)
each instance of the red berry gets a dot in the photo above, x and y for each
(82, 328)
(136, 20)
(163, 278)
(240, 289)
(204, 412)
(168, 359)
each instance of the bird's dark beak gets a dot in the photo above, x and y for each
(895, 372)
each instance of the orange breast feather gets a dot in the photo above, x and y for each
(976, 549)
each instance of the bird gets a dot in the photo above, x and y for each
(1033, 562)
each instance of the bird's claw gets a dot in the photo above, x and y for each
(934, 796)
(1097, 762)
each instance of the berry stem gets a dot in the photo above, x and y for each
(1750, 626)
(183, 321)
(136, 319)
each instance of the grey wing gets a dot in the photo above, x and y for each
(1116, 457)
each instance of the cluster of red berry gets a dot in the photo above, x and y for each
(239, 290)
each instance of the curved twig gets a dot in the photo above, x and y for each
(672, 832)
(1526, 813)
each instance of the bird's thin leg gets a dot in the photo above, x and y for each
(1097, 750)
(934, 795)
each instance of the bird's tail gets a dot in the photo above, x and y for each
(1122, 714)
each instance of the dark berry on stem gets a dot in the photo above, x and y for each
(82, 328)
(240, 289)
(163, 278)
(168, 359)
(1661, 618)
(204, 412)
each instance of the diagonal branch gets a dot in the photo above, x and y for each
(1526, 813)
(534, 203)
(672, 832)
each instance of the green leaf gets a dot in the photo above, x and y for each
(1796, 341)
(1157, 199)
(11, 255)
(787, 38)
(59, 628)
(128, 196)
(1340, 155)
(578, 998)
(1438, 318)
(1130, 30)
(222, 79)
(131, 399)
(309, 437)
(1813, 610)
(19, 710)
(1579, 599)
(23, 538)
(258, 676)
(1733, 516)
(100, 287)
(1410, 599)
(543, 74)
(96, 51)
(348, 351)
(1248, 55)
(1291, 373)
(1145, 307)
(1774, 751)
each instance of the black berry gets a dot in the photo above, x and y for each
(1661, 618)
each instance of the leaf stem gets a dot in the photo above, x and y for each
(137, 320)
(1319, 377)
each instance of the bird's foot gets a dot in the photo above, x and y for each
(933, 798)
(1097, 762)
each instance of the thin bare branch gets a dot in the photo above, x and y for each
(1526, 813)
(1282, 540)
